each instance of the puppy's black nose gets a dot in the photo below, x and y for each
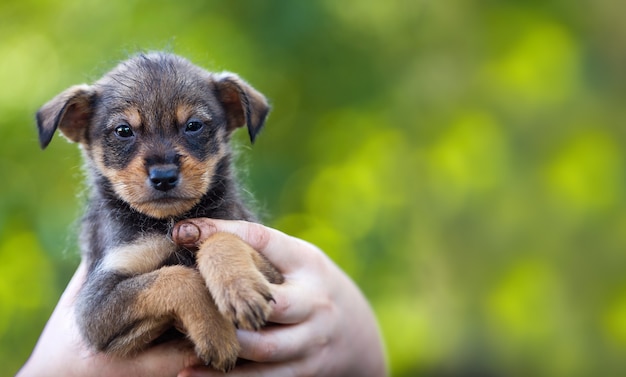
(163, 177)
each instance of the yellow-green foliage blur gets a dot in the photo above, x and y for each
(463, 161)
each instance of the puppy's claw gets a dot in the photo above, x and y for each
(269, 298)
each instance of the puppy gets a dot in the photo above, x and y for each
(154, 133)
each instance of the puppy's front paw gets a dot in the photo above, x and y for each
(246, 302)
(240, 291)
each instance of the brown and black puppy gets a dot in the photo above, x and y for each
(155, 134)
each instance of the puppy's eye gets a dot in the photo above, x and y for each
(193, 126)
(123, 131)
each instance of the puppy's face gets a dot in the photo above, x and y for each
(156, 127)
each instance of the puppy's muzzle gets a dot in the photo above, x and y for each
(163, 177)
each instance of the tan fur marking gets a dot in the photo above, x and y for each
(130, 182)
(184, 112)
(137, 258)
(132, 116)
(196, 175)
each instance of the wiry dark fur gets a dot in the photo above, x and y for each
(139, 284)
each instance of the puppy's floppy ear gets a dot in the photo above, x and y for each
(243, 104)
(70, 112)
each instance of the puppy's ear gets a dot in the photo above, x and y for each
(70, 112)
(243, 104)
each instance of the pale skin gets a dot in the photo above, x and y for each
(322, 323)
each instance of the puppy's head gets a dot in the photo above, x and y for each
(155, 127)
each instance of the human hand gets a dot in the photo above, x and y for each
(322, 324)
(60, 350)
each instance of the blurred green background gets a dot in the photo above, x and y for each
(463, 161)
